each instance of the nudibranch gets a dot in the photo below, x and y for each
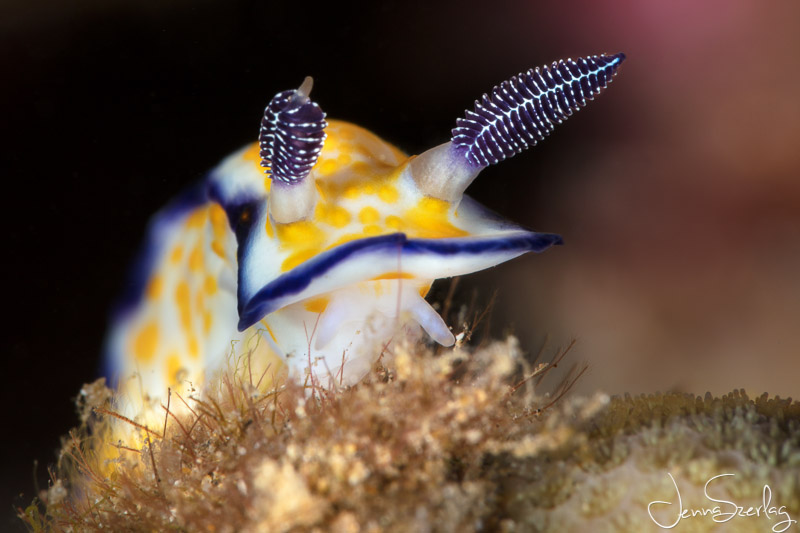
(321, 241)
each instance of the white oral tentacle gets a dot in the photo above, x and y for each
(429, 319)
(338, 311)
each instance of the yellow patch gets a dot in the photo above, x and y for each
(393, 275)
(388, 193)
(345, 239)
(175, 256)
(423, 291)
(298, 258)
(210, 284)
(303, 234)
(253, 153)
(429, 219)
(344, 159)
(219, 221)
(208, 320)
(196, 259)
(174, 368)
(217, 248)
(154, 288)
(194, 349)
(145, 343)
(182, 298)
(317, 305)
(372, 229)
(333, 215)
(200, 300)
(369, 215)
(302, 239)
(394, 222)
(197, 218)
(326, 167)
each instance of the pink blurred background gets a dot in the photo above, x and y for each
(682, 264)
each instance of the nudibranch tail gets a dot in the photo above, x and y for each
(525, 109)
(291, 138)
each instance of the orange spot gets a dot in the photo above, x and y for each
(210, 284)
(207, 321)
(344, 239)
(219, 221)
(145, 343)
(302, 234)
(217, 248)
(174, 368)
(369, 215)
(182, 297)
(388, 194)
(333, 215)
(298, 258)
(329, 166)
(177, 253)
(394, 222)
(253, 153)
(429, 219)
(196, 259)
(200, 301)
(372, 229)
(196, 218)
(154, 288)
(194, 350)
(317, 305)
(344, 159)
(393, 275)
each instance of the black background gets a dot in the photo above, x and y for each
(110, 108)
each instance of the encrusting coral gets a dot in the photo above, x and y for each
(453, 441)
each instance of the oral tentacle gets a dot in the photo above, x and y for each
(427, 317)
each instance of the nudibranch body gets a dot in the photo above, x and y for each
(313, 247)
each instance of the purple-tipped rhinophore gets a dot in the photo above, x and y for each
(292, 134)
(525, 109)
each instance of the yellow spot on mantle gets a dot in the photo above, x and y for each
(145, 343)
(197, 218)
(173, 368)
(388, 194)
(196, 259)
(182, 298)
(369, 215)
(210, 284)
(154, 287)
(298, 258)
(393, 275)
(334, 215)
(430, 219)
(317, 305)
(177, 253)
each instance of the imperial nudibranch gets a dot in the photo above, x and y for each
(326, 239)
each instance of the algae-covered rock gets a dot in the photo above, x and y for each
(455, 441)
